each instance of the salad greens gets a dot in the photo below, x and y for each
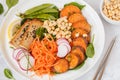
(1, 8)
(90, 49)
(8, 74)
(10, 4)
(28, 62)
(40, 32)
(79, 66)
(23, 21)
(75, 4)
(54, 36)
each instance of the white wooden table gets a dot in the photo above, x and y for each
(110, 32)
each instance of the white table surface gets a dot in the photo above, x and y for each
(110, 32)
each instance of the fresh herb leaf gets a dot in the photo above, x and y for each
(72, 29)
(93, 38)
(40, 32)
(11, 47)
(28, 62)
(56, 73)
(23, 21)
(8, 74)
(90, 49)
(75, 4)
(79, 66)
(56, 26)
(54, 36)
(10, 4)
(1, 8)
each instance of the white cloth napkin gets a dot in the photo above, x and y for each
(112, 69)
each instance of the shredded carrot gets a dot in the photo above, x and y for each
(44, 53)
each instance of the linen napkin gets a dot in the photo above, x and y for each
(112, 69)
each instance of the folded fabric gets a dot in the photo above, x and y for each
(112, 69)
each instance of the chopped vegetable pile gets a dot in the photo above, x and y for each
(51, 41)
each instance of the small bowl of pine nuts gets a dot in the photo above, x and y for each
(110, 10)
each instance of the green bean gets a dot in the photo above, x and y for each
(46, 17)
(37, 8)
(45, 11)
(55, 7)
(56, 15)
(41, 17)
(49, 10)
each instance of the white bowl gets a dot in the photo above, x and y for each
(96, 28)
(105, 17)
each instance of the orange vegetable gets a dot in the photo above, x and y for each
(78, 31)
(82, 25)
(76, 17)
(80, 42)
(69, 10)
(44, 53)
(73, 59)
(61, 66)
(78, 50)
(87, 38)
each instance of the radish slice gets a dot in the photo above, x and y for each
(67, 45)
(21, 54)
(63, 47)
(16, 51)
(62, 51)
(62, 40)
(24, 59)
(25, 63)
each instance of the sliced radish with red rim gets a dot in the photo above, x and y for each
(16, 51)
(62, 40)
(67, 45)
(24, 58)
(62, 51)
(26, 62)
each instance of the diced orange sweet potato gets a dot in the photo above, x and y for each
(61, 66)
(82, 25)
(73, 59)
(76, 17)
(69, 10)
(87, 38)
(78, 32)
(77, 50)
(80, 42)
